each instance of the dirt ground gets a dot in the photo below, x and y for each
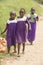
(33, 54)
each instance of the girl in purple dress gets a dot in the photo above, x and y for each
(21, 30)
(11, 31)
(32, 17)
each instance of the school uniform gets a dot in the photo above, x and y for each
(11, 32)
(21, 30)
(32, 21)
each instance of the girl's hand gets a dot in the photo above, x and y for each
(1, 33)
(30, 28)
(34, 19)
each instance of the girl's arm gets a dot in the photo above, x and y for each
(5, 29)
(27, 21)
(29, 25)
(37, 18)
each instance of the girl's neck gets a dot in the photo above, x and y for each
(21, 16)
(32, 13)
(11, 19)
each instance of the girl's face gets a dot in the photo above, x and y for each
(22, 12)
(32, 11)
(12, 16)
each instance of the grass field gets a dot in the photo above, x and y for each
(7, 5)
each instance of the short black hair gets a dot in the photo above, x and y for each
(32, 9)
(12, 12)
(22, 10)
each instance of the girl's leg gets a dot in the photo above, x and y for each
(19, 48)
(23, 48)
(8, 49)
(31, 43)
(15, 48)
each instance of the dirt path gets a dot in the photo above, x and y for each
(33, 54)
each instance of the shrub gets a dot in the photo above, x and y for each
(40, 1)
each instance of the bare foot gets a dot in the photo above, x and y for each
(18, 55)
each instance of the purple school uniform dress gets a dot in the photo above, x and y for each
(11, 32)
(31, 33)
(21, 30)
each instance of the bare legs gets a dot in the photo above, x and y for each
(8, 49)
(19, 48)
(15, 48)
(31, 43)
(19, 44)
(23, 48)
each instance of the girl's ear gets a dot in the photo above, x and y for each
(25, 12)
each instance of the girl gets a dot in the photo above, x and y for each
(11, 31)
(32, 17)
(21, 30)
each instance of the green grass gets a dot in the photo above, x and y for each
(2, 55)
(7, 5)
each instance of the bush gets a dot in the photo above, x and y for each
(40, 1)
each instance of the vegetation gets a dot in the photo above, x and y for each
(40, 1)
(7, 5)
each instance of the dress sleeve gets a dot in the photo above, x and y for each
(7, 21)
(37, 17)
(28, 16)
(27, 19)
